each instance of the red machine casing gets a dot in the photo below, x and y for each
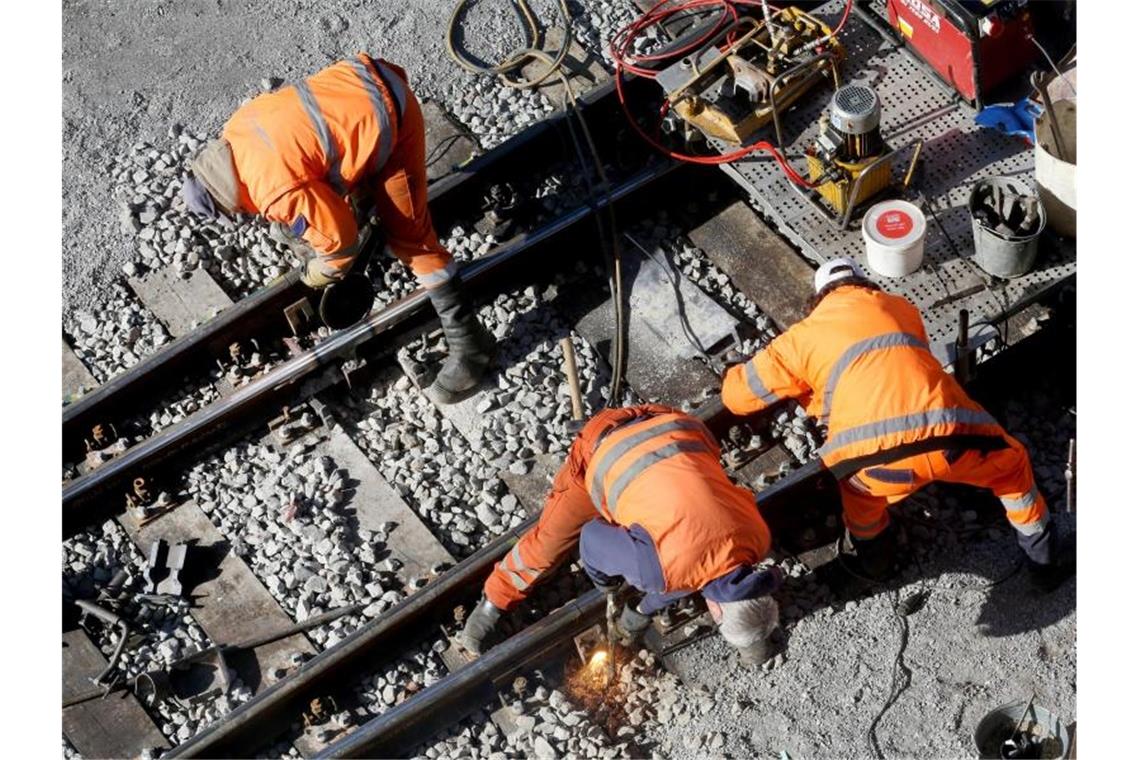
(973, 46)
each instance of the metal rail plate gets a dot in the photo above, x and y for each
(956, 153)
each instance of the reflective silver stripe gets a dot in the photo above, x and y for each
(517, 580)
(516, 555)
(1014, 503)
(756, 385)
(395, 85)
(623, 447)
(261, 133)
(1029, 529)
(887, 340)
(438, 277)
(321, 126)
(906, 422)
(381, 110)
(642, 463)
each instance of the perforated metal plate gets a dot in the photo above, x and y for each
(956, 153)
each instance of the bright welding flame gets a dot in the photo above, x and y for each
(598, 660)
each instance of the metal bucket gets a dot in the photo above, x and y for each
(1004, 255)
(999, 724)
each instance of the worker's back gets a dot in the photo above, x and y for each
(337, 126)
(871, 377)
(664, 474)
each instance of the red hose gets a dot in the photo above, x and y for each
(622, 42)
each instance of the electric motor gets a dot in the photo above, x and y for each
(851, 131)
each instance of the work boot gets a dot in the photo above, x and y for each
(876, 556)
(632, 624)
(479, 626)
(470, 347)
(1048, 566)
(757, 653)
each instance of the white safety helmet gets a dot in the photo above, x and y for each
(835, 270)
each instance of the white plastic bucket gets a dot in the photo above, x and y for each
(894, 232)
(1057, 179)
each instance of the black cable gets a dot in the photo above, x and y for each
(898, 686)
(618, 351)
(441, 148)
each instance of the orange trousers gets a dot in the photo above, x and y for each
(568, 507)
(1007, 473)
(401, 201)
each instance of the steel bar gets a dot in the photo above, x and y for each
(284, 379)
(198, 347)
(418, 718)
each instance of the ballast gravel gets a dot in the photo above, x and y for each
(283, 514)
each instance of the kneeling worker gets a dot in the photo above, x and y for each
(860, 363)
(297, 154)
(644, 488)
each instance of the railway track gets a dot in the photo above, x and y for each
(635, 177)
(796, 529)
(275, 709)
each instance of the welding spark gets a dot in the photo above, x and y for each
(598, 659)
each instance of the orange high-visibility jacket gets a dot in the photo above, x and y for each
(299, 150)
(860, 364)
(663, 473)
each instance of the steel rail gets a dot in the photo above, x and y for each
(284, 379)
(452, 697)
(247, 317)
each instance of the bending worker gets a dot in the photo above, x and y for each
(297, 154)
(896, 421)
(644, 489)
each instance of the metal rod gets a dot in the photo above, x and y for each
(962, 355)
(570, 367)
(1071, 478)
(287, 377)
(1054, 126)
(913, 165)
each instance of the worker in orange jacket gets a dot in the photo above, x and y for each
(643, 493)
(297, 155)
(895, 420)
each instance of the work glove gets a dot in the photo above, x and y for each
(631, 626)
(479, 626)
(314, 276)
(282, 235)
